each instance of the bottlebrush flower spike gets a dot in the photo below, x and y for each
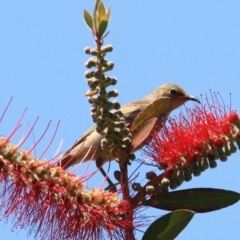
(194, 141)
(54, 203)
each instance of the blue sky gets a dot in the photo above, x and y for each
(194, 44)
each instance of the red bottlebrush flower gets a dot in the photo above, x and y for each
(193, 141)
(55, 203)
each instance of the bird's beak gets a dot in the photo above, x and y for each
(193, 98)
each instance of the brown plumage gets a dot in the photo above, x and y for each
(87, 147)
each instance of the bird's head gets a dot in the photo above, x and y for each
(176, 94)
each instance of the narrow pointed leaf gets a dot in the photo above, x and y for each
(88, 19)
(102, 25)
(168, 226)
(101, 10)
(109, 13)
(96, 20)
(199, 200)
(158, 107)
(143, 133)
(96, 5)
(95, 15)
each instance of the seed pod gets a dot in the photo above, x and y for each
(110, 64)
(131, 156)
(116, 105)
(117, 175)
(107, 48)
(89, 74)
(165, 182)
(150, 189)
(87, 50)
(94, 52)
(98, 75)
(112, 93)
(151, 175)
(136, 187)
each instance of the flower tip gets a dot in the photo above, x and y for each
(233, 117)
(169, 172)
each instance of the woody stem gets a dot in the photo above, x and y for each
(126, 195)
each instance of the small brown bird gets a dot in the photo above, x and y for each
(88, 146)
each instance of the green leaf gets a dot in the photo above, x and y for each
(88, 19)
(108, 13)
(96, 20)
(102, 25)
(96, 5)
(199, 200)
(158, 107)
(95, 15)
(169, 226)
(101, 10)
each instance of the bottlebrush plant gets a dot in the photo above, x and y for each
(57, 204)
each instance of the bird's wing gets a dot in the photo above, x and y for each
(132, 109)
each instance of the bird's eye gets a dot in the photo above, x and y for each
(173, 91)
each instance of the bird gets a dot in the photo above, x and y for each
(88, 146)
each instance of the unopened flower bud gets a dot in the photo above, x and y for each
(212, 163)
(98, 75)
(103, 92)
(165, 182)
(116, 105)
(114, 81)
(92, 82)
(136, 187)
(93, 109)
(203, 164)
(196, 170)
(93, 115)
(99, 128)
(151, 175)
(110, 81)
(150, 189)
(132, 156)
(109, 105)
(107, 48)
(169, 172)
(119, 113)
(121, 125)
(124, 133)
(91, 100)
(110, 64)
(232, 147)
(227, 150)
(173, 185)
(105, 115)
(92, 62)
(89, 74)
(100, 120)
(187, 177)
(117, 175)
(112, 93)
(96, 101)
(94, 52)
(179, 177)
(222, 155)
(127, 141)
(103, 61)
(104, 143)
(87, 50)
